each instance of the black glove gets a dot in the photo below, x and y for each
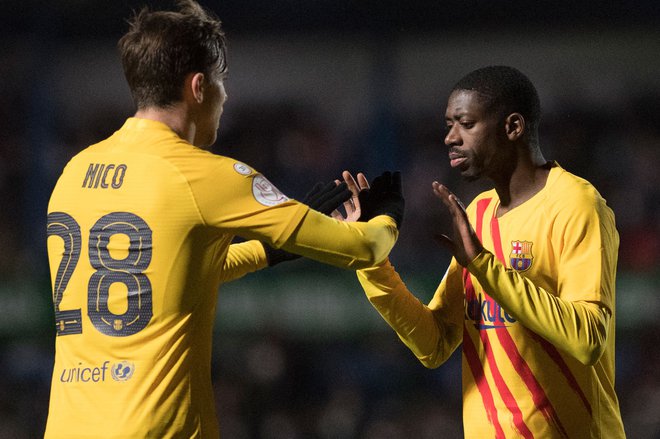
(324, 198)
(384, 197)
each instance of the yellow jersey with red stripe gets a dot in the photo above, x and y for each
(534, 313)
(140, 230)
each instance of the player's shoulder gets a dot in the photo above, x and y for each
(153, 145)
(571, 189)
(571, 196)
(199, 162)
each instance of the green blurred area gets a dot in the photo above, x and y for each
(313, 303)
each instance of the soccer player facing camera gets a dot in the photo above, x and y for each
(529, 293)
(140, 230)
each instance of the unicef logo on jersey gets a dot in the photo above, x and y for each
(82, 373)
(122, 371)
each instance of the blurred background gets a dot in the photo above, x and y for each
(316, 87)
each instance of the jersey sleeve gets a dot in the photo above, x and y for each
(243, 258)
(352, 245)
(235, 198)
(588, 244)
(579, 328)
(432, 332)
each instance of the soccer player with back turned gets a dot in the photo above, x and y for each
(530, 291)
(140, 229)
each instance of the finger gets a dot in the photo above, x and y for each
(313, 192)
(326, 192)
(449, 198)
(337, 215)
(352, 203)
(442, 192)
(336, 197)
(379, 183)
(353, 186)
(455, 206)
(353, 206)
(363, 183)
(349, 206)
(330, 197)
(388, 180)
(458, 202)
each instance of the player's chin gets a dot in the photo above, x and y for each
(469, 174)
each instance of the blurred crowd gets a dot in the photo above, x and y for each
(274, 385)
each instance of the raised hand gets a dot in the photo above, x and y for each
(464, 243)
(352, 205)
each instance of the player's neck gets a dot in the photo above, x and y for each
(525, 181)
(175, 117)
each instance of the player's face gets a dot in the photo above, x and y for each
(473, 135)
(215, 97)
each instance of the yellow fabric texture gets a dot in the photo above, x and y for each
(133, 350)
(537, 340)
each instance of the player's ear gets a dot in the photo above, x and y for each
(515, 126)
(194, 84)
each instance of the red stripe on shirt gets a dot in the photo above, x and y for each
(539, 397)
(472, 359)
(553, 353)
(482, 205)
(500, 383)
(505, 393)
(497, 239)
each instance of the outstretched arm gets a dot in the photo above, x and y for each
(360, 244)
(325, 198)
(346, 245)
(432, 332)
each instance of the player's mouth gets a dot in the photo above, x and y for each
(456, 159)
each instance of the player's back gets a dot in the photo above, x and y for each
(135, 273)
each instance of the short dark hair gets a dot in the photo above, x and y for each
(161, 47)
(505, 90)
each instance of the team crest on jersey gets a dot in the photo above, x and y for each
(521, 255)
(265, 193)
(242, 168)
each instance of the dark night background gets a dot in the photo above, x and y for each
(316, 87)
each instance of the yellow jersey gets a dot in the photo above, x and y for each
(534, 313)
(140, 230)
